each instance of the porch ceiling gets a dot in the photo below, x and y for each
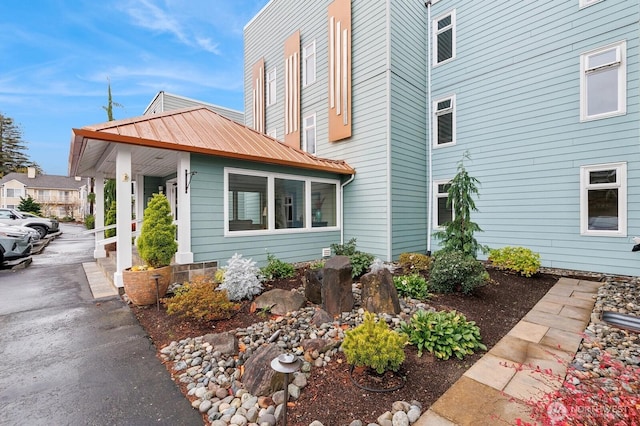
(156, 139)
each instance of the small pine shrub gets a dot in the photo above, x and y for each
(360, 261)
(454, 271)
(199, 300)
(276, 268)
(242, 278)
(157, 243)
(516, 259)
(443, 334)
(417, 262)
(372, 344)
(414, 286)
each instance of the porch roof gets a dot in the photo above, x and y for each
(158, 137)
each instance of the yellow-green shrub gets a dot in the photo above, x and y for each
(200, 300)
(516, 259)
(414, 261)
(372, 344)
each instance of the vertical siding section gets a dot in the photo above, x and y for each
(409, 190)
(516, 77)
(292, 90)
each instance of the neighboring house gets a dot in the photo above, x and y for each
(164, 101)
(58, 196)
(542, 95)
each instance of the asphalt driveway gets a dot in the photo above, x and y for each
(68, 359)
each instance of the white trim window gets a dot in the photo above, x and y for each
(444, 38)
(603, 200)
(271, 87)
(603, 82)
(586, 3)
(257, 202)
(309, 64)
(444, 121)
(309, 134)
(441, 212)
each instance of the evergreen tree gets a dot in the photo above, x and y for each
(12, 147)
(29, 205)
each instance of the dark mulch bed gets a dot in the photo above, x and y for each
(331, 397)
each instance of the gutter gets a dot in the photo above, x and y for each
(342, 185)
(429, 134)
(389, 192)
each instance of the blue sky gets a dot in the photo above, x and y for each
(57, 56)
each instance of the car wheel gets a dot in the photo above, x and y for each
(41, 230)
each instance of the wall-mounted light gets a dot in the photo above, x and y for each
(187, 179)
(125, 177)
(160, 189)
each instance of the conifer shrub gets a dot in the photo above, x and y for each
(443, 334)
(199, 300)
(372, 344)
(516, 259)
(454, 271)
(157, 240)
(242, 278)
(414, 286)
(110, 219)
(415, 262)
(276, 268)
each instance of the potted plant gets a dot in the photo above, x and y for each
(156, 246)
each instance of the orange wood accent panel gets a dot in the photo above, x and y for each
(339, 70)
(292, 90)
(258, 95)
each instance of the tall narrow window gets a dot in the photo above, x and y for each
(603, 200)
(603, 82)
(444, 38)
(444, 121)
(309, 63)
(271, 87)
(309, 136)
(442, 212)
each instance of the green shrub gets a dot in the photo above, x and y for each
(90, 221)
(372, 344)
(360, 261)
(414, 286)
(443, 334)
(276, 268)
(417, 262)
(242, 278)
(454, 271)
(516, 259)
(157, 240)
(319, 264)
(110, 219)
(199, 300)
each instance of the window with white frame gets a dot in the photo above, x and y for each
(444, 38)
(443, 213)
(309, 63)
(585, 3)
(444, 121)
(603, 199)
(309, 134)
(603, 82)
(264, 202)
(14, 192)
(271, 87)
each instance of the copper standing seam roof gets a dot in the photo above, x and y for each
(199, 130)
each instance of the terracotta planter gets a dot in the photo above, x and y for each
(140, 286)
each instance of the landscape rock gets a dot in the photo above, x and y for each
(225, 343)
(379, 294)
(313, 285)
(259, 378)
(279, 301)
(337, 296)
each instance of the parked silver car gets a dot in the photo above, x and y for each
(14, 243)
(43, 225)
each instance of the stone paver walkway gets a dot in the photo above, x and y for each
(548, 336)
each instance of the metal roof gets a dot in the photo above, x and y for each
(159, 137)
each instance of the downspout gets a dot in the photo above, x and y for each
(389, 192)
(353, 176)
(429, 133)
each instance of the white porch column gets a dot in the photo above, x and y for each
(123, 212)
(98, 214)
(184, 254)
(139, 198)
